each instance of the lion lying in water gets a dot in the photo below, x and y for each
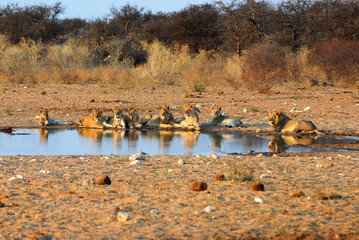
(282, 123)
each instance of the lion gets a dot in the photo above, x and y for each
(218, 119)
(45, 120)
(118, 120)
(134, 118)
(162, 120)
(94, 120)
(190, 120)
(282, 123)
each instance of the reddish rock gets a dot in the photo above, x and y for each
(298, 194)
(218, 177)
(257, 186)
(103, 179)
(199, 186)
(320, 196)
(43, 92)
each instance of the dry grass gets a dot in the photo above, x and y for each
(259, 68)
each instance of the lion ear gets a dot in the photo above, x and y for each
(220, 108)
(168, 107)
(277, 113)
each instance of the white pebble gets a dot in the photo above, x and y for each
(245, 110)
(83, 158)
(48, 172)
(137, 156)
(170, 170)
(86, 183)
(258, 200)
(181, 161)
(42, 171)
(135, 162)
(34, 160)
(213, 156)
(12, 178)
(295, 110)
(208, 209)
(306, 109)
(198, 155)
(319, 166)
(285, 103)
(339, 106)
(264, 176)
(19, 176)
(123, 216)
(154, 211)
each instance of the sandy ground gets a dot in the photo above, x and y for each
(47, 197)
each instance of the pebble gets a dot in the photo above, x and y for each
(319, 166)
(154, 211)
(34, 160)
(257, 186)
(208, 209)
(170, 170)
(285, 103)
(123, 216)
(103, 179)
(137, 156)
(264, 176)
(135, 162)
(245, 110)
(199, 186)
(83, 158)
(218, 177)
(339, 106)
(12, 178)
(258, 200)
(306, 109)
(260, 155)
(295, 110)
(181, 161)
(198, 155)
(86, 183)
(44, 171)
(213, 156)
(19, 176)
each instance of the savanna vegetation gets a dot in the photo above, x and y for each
(251, 44)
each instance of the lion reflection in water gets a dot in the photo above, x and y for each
(279, 143)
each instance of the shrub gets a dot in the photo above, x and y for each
(338, 59)
(264, 66)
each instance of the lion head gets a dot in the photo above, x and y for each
(117, 114)
(277, 119)
(97, 114)
(216, 112)
(166, 115)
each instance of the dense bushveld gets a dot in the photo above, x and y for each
(253, 44)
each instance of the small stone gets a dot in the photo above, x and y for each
(298, 194)
(123, 216)
(137, 156)
(208, 209)
(257, 186)
(199, 186)
(34, 160)
(306, 109)
(42, 92)
(154, 211)
(335, 196)
(198, 155)
(12, 178)
(275, 156)
(285, 103)
(339, 106)
(19, 176)
(181, 161)
(86, 183)
(258, 200)
(83, 158)
(320, 196)
(264, 176)
(319, 166)
(135, 162)
(103, 179)
(260, 155)
(245, 110)
(42, 171)
(170, 170)
(213, 156)
(218, 177)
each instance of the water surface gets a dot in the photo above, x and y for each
(126, 142)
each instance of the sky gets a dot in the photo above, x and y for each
(91, 9)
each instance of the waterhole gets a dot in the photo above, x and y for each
(126, 142)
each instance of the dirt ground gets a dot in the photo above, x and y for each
(307, 195)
